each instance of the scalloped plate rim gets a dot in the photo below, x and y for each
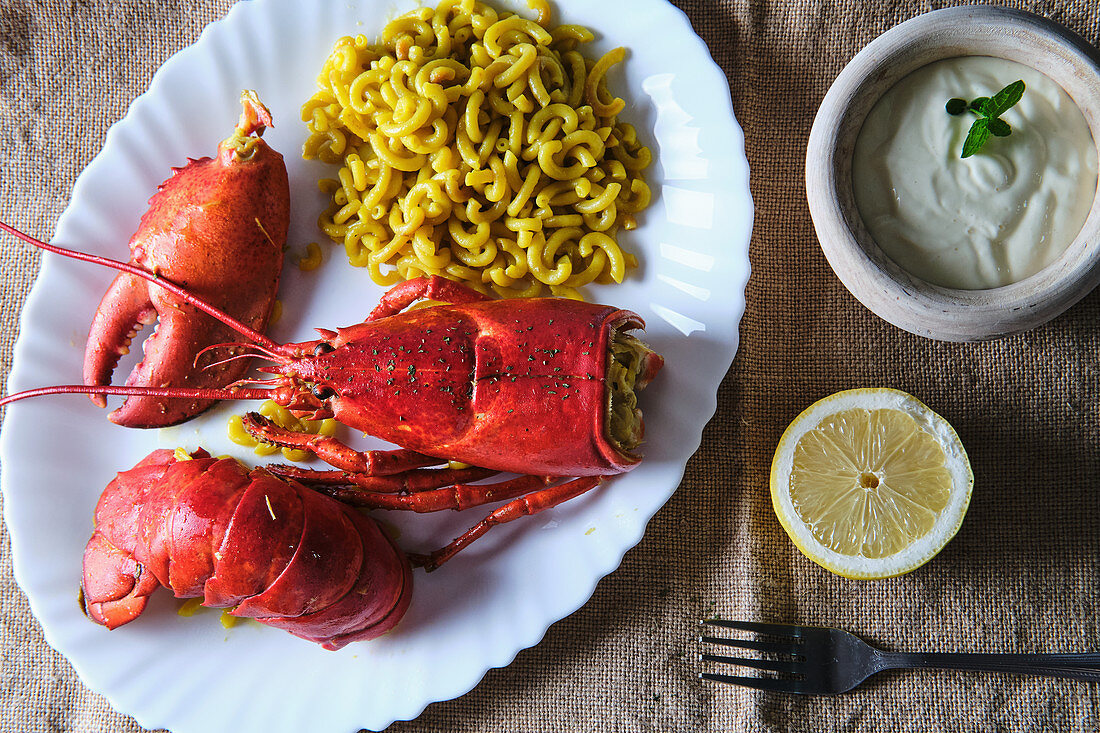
(236, 14)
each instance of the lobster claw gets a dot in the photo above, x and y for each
(217, 228)
(169, 353)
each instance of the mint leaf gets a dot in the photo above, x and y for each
(955, 106)
(988, 111)
(1004, 100)
(999, 127)
(976, 138)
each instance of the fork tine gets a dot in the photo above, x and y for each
(774, 665)
(760, 628)
(759, 683)
(771, 647)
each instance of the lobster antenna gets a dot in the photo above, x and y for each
(246, 331)
(226, 360)
(197, 393)
(260, 353)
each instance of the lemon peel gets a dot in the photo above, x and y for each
(870, 483)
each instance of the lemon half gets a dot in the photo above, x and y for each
(870, 483)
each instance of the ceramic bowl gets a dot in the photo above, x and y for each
(873, 278)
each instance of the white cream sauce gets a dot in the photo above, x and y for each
(988, 220)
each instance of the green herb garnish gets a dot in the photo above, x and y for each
(988, 111)
(956, 106)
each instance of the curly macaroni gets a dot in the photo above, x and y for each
(480, 146)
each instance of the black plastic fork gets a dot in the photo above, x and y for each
(815, 660)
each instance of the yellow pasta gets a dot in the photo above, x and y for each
(312, 258)
(477, 145)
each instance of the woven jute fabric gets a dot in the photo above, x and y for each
(1022, 575)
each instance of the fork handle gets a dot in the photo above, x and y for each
(1070, 666)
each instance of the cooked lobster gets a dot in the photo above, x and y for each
(542, 387)
(218, 227)
(268, 548)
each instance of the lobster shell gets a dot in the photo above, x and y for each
(218, 228)
(268, 548)
(495, 384)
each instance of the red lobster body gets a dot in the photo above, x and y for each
(540, 387)
(270, 548)
(496, 384)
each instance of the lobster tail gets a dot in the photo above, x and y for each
(387, 585)
(113, 592)
(115, 586)
(269, 549)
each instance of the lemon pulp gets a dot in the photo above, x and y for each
(870, 483)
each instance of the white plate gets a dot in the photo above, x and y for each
(501, 594)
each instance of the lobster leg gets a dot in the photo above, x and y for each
(335, 453)
(390, 480)
(456, 496)
(335, 483)
(400, 297)
(529, 495)
(525, 506)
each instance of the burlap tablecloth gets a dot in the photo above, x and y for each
(1020, 576)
